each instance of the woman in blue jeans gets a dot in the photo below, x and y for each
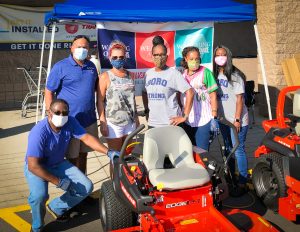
(231, 105)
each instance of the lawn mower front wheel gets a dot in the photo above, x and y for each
(113, 213)
(268, 179)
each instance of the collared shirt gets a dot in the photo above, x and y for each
(49, 145)
(76, 85)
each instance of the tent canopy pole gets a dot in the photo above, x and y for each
(40, 75)
(261, 61)
(49, 61)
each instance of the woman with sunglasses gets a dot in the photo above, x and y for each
(231, 105)
(202, 121)
(162, 84)
(116, 103)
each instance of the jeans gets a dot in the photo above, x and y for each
(240, 154)
(199, 136)
(80, 188)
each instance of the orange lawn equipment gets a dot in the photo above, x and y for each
(276, 176)
(169, 188)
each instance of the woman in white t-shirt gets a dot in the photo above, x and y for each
(161, 86)
(232, 106)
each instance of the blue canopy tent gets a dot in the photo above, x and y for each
(157, 11)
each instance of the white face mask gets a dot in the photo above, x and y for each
(58, 120)
(80, 53)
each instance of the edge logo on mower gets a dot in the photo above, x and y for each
(182, 203)
(129, 197)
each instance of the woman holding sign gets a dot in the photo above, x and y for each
(162, 84)
(116, 104)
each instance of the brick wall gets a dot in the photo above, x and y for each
(279, 31)
(13, 87)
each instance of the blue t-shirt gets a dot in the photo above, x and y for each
(76, 85)
(50, 146)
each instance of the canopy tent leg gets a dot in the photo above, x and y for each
(49, 61)
(40, 75)
(263, 70)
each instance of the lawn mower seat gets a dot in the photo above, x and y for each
(174, 143)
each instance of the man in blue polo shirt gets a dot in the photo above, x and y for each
(47, 143)
(74, 80)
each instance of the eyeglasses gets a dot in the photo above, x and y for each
(161, 55)
(63, 113)
(117, 57)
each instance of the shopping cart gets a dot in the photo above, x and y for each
(32, 77)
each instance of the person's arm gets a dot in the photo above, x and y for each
(189, 95)
(94, 143)
(48, 98)
(145, 103)
(35, 167)
(238, 111)
(214, 103)
(101, 90)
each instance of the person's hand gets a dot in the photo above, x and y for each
(214, 127)
(64, 184)
(137, 122)
(103, 128)
(237, 126)
(113, 154)
(177, 120)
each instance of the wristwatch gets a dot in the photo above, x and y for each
(237, 120)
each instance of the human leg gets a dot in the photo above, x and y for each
(37, 198)
(80, 188)
(240, 154)
(84, 149)
(202, 134)
(190, 131)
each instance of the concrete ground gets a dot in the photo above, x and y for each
(14, 210)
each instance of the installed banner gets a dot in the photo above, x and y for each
(21, 28)
(138, 41)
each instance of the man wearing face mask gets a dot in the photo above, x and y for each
(47, 142)
(74, 79)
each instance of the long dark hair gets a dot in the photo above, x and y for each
(229, 68)
(158, 40)
(185, 51)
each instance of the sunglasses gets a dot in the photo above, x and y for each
(63, 113)
(161, 55)
(117, 57)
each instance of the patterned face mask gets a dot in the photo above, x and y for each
(118, 64)
(160, 61)
(193, 64)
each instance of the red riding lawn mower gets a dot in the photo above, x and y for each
(169, 188)
(276, 174)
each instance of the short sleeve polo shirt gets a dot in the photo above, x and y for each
(49, 145)
(76, 85)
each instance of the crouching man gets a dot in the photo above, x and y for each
(44, 162)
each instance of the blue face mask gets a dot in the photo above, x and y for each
(118, 64)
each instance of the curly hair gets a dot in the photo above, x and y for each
(185, 52)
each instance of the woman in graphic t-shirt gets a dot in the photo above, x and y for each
(202, 120)
(116, 104)
(161, 86)
(232, 106)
